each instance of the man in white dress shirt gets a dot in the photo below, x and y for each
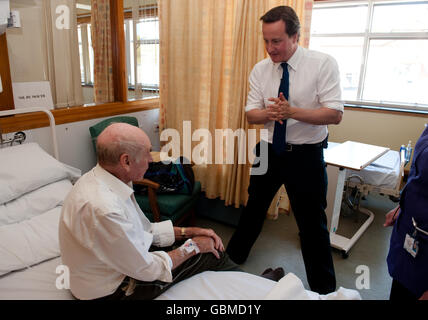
(105, 239)
(295, 93)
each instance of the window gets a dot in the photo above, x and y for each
(86, 53)
(145, 48)
(381, 48)
(29, 64)
(142, 42)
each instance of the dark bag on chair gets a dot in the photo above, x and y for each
(173, 177)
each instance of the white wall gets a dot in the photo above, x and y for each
(74, 141)
(27, 45)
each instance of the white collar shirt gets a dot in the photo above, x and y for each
(104, 237)
(314, 82)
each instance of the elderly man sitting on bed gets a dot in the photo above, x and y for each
(106, 240)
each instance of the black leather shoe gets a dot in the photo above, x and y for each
(274, 275)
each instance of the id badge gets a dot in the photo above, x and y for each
(411, 245)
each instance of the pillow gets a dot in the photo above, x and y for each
(28, 167)
(29, 242)
(35, 202)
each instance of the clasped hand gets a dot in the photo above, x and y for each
(207, 240)
(279, 110)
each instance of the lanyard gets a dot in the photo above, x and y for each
(419, 229)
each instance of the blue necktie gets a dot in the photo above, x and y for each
(280, 129)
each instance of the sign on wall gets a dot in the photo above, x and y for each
(32, 94)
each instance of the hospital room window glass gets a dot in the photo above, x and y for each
(142, 49)
(381, 48)
(86, 55)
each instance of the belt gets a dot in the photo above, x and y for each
(290, 147)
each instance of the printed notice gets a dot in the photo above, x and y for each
(32, 95)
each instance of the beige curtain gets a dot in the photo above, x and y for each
(101, 43)
(62, 51)
(208, 49)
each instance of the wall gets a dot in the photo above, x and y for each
(387, 130)
(74, 141)
(27, 46)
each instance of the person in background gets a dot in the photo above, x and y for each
(408, 252)
(110, 247)
(295, 93)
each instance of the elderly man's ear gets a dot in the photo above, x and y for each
(124, 161)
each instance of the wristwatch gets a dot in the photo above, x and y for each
(183, 232)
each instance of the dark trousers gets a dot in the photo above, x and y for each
(302, 171)
(196, 264)
(400, 293)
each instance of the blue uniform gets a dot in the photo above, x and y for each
(412, 272)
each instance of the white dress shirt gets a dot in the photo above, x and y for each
(314, 83)
(104, 237)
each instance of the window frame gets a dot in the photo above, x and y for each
(368, 36)
(121, 105)
(6, 97)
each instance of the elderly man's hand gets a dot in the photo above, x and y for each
(218, 243)
(206, 244)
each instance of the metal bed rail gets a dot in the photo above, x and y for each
(51, 123)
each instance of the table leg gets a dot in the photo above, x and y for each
(338, 199)
(333, 211)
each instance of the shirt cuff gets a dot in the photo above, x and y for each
(334, 105)
(251, 107)
(163, 233)
(165, 276)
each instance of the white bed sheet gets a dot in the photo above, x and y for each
(36, 283)
(232, 285)
(228, 285)
(39, 283)
(383, 172)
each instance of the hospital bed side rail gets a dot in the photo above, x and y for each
(51, 123)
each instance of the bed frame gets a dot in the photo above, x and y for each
(355, 182)
(51, 123)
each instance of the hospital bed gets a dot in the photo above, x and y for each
(383, 176)
(379, 171)
(33, 185)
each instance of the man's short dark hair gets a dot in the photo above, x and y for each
(286, 14)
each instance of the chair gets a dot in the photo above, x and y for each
(179, 208)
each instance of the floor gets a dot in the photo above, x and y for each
(278, 245)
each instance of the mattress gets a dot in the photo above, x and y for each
(384, 172)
